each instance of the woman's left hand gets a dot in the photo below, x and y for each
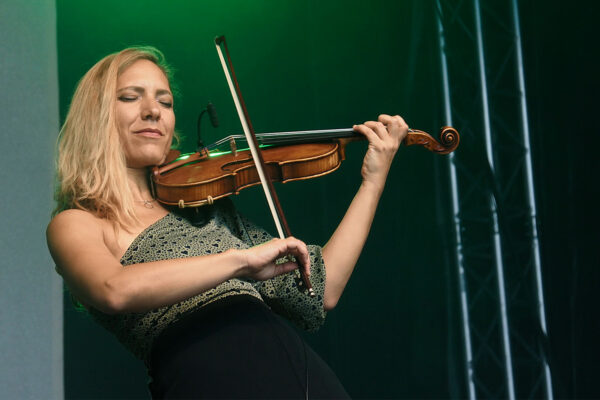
(343, 248)
(384, 136)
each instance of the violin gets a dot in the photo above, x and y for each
(204, 176)
(193, 180)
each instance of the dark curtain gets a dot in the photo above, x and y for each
(331, 64)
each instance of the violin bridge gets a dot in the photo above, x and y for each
(233, 146)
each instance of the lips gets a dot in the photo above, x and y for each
(150, 132)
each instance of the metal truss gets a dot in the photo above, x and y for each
(495, 223)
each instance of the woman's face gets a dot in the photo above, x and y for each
(144, 112)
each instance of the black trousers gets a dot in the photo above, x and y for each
(237, 348)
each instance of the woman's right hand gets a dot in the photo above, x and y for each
(95, 276)
(260, 260)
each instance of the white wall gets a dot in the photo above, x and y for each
(31, 348)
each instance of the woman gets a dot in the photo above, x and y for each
(192, 299)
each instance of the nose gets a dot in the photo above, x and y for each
(150, 110)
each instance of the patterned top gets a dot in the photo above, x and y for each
(219, 228)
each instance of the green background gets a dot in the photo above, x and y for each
(316, 65)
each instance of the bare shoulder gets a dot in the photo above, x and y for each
(73, 222)
(76, 243)
(74, 214)
(71, 233)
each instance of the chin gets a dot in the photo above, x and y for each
(146, 161)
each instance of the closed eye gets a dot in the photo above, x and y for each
(128, 98)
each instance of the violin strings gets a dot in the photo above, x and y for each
(289, 137)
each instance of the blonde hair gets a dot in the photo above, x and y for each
(91, 167)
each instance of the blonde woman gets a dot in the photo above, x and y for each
(200, 302)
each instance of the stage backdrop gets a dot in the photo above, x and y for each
(301, 65)
(330, 64)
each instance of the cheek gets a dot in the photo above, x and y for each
(169, 143)
(171, 127)
(124, 118)
(168, 146)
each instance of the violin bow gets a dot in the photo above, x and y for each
(267, 184)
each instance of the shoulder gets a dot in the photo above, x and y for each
(68, 219)
(73, 226)
(75, 235)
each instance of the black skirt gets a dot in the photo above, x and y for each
(237, 348)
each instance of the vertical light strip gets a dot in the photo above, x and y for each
(31, 292)
(456, 216)
(494, 210)
(531, 194)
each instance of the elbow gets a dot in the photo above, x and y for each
(332, 295)
(113, 299)
(329, 303)
(112, 305)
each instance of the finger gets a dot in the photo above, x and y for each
(388, 119)
(300, 251)
(379, 128)
(386, 141)
(284, 268)
(396, 125)
(305, 262)
(368, 132)
(284, 246)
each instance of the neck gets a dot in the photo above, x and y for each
(138, 182)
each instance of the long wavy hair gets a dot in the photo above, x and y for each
(91, 167)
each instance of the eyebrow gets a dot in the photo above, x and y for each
(140, 90)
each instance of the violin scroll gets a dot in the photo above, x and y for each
(449, 140)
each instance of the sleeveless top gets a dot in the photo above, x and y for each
(219, 228)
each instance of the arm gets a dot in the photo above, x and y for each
(97, 279)
(345, 245)
(282, 293)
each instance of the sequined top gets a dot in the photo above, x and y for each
(221, 228)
